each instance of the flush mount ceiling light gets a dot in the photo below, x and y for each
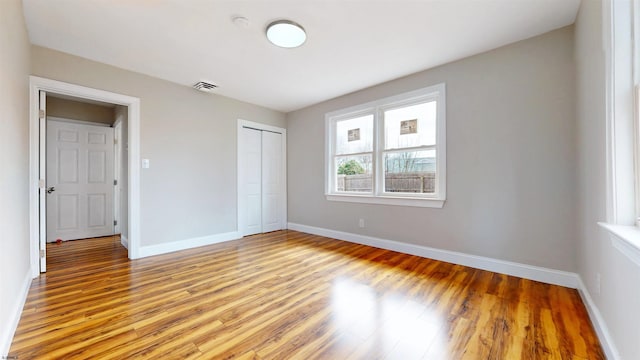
(286, 34)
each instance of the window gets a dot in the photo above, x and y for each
(622, 198)
(622, 80)
(390, 151)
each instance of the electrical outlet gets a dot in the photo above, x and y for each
(598, 282)
(361, 223)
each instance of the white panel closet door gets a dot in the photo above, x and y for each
(252, 173)
(261, 186)
(79, 181)
(271, 181)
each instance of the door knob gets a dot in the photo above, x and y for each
(50, 189)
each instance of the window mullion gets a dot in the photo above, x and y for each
(333, 176)
(378, 147)
(415, 148)
(354, 154)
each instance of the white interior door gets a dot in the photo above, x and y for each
(252, 164)
(271, 181)
(79, 181)
(261, 183)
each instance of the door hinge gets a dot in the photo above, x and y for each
(41, 253)
(115, 222)
(115, 182)
(42, 114)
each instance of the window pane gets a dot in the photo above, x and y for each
(354, 135)
(410, 126)
(410, 172)
(353, 173)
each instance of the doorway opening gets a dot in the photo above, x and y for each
(84, 161)
(91, 208)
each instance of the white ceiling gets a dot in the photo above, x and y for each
(352, 44)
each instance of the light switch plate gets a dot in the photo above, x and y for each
(145, 163)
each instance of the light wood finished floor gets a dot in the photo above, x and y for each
(290, 295)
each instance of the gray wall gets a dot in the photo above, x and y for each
(14, 165)
(510, 159)
(619, 296)
(75, 110)
(190, 138)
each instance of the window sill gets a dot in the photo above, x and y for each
(388, 200)
(626, 239)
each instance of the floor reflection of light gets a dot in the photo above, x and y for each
(391, 323)
(413, 325)
(438, 349)
(353, 307)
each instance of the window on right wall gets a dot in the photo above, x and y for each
(621, 79)
(390, 151)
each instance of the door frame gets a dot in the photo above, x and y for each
(240, 145)
(37, 84)
(117, 173)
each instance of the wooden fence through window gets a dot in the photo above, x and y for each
(423, 182)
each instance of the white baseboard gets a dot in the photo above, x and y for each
(537, 273)
(606, 340)
(158, 249)
(8, 329)
(124, 241)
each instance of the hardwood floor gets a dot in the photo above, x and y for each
(290, 295)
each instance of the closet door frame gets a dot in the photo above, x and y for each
(241, 192)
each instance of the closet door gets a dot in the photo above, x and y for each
(261, 184)
(251, 175)
(271, 181)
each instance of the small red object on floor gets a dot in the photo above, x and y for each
(58, 241)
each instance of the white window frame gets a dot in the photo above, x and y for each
(622, 125)
(635, 48)
(377, 108)
(620, 113)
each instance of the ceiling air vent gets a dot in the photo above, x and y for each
(204, 86)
